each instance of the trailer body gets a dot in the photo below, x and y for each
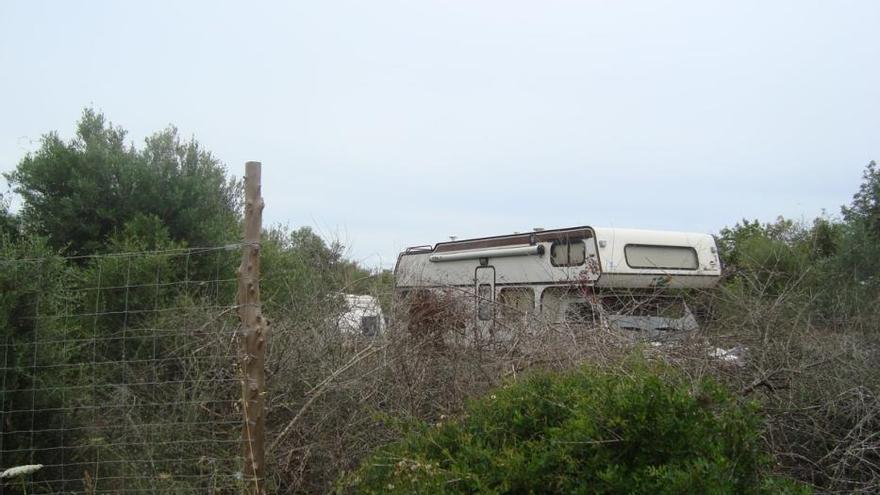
(568, 275)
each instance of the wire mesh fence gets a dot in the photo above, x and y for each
(120, 373)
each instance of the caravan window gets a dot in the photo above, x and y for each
(516, 302)
(581, 313)
(370, 326)
(663, 257)
(484, 302)
(568, 253)
(644, 304)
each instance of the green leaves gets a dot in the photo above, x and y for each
(833, 265)
(865, 207)
(82, 192)
(643, 430)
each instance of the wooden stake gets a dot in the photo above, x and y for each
(255, 336)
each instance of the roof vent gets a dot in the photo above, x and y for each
(538, 229)
(453, 237)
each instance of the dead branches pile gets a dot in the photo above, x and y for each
(336, 397)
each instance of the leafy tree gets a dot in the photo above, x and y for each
(772, 255)
(831, 263)
(300, 273)
(865, 207)
(826, 238)
(79, 193)
(8, 221)
(190, 192)
(732, 239)
(855, 271)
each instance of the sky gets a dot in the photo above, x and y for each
(389, 124)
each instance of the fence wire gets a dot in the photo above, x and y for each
(119, 373)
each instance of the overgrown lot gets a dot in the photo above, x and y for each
(800, 300)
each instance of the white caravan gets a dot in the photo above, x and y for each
(362, 316)
(622, 277)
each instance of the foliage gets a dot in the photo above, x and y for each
(306, 275)
(32, 284)
(865, 207)
(778, 253)
(8, 221)
(801, 300)
(118, 264)
(789, 287)
(642, 429)
(301, 272)
(80, 193)
(836, 262)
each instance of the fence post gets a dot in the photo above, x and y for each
(254, 336)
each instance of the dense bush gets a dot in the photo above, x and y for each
(642, 429)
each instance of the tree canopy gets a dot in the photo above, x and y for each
(81, 192)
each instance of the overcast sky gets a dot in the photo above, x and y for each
(387, 124)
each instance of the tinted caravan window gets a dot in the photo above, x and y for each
(516, 302)
(568, 253)
(484, 302)
(661, 257)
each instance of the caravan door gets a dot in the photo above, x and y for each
(484, 279)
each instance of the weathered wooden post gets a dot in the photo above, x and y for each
(254, 338)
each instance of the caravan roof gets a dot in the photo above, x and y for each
(609, 257)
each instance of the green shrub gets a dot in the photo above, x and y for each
(642, 430)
